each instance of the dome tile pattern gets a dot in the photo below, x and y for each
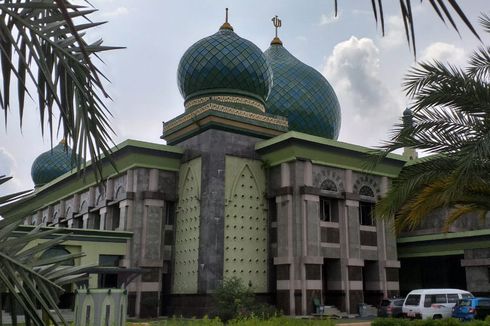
(51, 164)
(303, 95)
(224, 63)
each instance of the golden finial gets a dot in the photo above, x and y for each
(63, 141)
(277, 23)
(226, 25)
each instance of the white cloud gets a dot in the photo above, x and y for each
(394, 33)
(8, 167)
(329, 19)
(444, 52)
(369, 109)
(7, 162)
(120, 11)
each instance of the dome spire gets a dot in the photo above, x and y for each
(277, 23)
(226, 25)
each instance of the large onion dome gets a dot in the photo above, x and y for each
(224, 63)
(301, 94)
(51, 164)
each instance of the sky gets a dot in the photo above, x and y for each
(365, 69)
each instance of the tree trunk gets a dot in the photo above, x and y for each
(1, 304)
(27, 319)
(13, 311)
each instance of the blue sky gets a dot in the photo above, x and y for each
(365, 69)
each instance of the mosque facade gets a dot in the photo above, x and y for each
(251, 183)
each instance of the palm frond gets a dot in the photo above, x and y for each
(480, 64)
(42, 44)
(32, 279)
(442, 8)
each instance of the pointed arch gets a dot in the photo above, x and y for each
(245, 169)
(108, 304)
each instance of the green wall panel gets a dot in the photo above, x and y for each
(187, 228)
(245, 252)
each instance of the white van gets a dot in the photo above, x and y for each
(432, 303)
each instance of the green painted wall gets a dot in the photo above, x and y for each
(187, 228)
(92, 250)
(245, 252)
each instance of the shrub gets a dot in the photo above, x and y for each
(190, 322)
(233, 299)
(279, 321)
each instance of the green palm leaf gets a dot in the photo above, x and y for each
(33, 280)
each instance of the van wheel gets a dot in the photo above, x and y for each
(437, 317)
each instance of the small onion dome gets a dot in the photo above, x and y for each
(51, 164)
(224, 63)
(301, 94)
(407, 117)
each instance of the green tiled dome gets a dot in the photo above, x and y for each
(224, 63)
(51, 164)
(302, 94)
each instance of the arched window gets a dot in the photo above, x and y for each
(58, 251)
(366, 191)
(329, 185)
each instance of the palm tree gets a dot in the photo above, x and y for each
(42, 47)
(451, 121)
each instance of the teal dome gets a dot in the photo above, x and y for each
(301, 94)
(224, 63)
(51, 164)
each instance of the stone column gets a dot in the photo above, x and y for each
(311, 259)
(389, 258)
(151, 257)
(284, 260)
(125, 215)
(85, 219)
(353, 268)
(103, 215)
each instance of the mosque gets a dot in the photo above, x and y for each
(251, 183)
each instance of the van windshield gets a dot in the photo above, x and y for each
(412, 300)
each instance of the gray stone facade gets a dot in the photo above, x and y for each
(136, 200)
(320, 239)
(336, 259)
